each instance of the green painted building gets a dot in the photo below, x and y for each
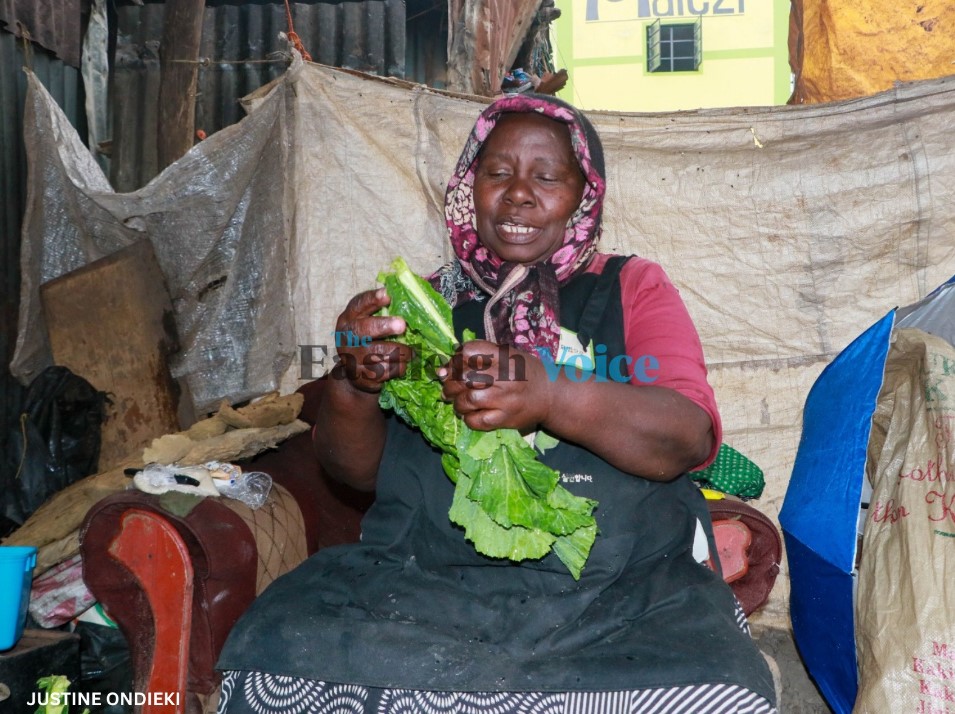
(666, 55)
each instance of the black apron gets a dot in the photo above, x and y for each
(415, 606)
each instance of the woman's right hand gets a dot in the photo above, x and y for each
(365, 359)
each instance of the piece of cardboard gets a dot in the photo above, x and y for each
(111, 323)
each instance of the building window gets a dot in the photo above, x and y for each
(675, 47)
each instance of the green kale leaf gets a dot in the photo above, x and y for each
(509, 504)
(57, 701)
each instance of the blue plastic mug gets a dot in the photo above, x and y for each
(16, 575)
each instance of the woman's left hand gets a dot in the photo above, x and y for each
(497, 386)
(648, 431)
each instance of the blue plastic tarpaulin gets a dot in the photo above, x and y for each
(820, 513)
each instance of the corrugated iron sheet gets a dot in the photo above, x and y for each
(240, 52)
(426, 43)
(52, 24)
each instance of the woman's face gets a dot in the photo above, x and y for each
(527, 185)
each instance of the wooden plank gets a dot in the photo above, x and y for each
(111, 323)
(178, 57)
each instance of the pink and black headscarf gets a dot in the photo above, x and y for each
(523, 307)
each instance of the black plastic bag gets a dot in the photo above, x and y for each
(105, 664)
(53, 442)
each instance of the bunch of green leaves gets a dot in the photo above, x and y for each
(509, 504)
(56, 687)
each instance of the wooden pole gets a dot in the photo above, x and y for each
(179, 72)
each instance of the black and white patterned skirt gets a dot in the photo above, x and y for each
(260, 693)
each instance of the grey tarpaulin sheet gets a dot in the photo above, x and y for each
(788, 230)
(218, 223)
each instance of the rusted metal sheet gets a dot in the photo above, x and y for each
(240, 51)
(485, 37)
(52, 24)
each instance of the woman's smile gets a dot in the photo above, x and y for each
(516, 233)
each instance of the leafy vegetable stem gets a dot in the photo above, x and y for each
(411, 282)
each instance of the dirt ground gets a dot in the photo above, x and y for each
(799, 693)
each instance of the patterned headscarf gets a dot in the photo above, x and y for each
(523, 308)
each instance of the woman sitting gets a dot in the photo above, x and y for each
(413, 618)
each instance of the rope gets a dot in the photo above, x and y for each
(208, 62)
(23, 452)
(27, 39)
(293, 36)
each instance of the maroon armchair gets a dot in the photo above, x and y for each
(176, 584)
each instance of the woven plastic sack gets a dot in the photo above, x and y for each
(905, 608)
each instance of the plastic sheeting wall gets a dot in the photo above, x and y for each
(64, 85)
(788, 230)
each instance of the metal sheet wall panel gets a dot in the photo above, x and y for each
(240, 52)
(134, 91)
(426, 40)
(52, 24)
